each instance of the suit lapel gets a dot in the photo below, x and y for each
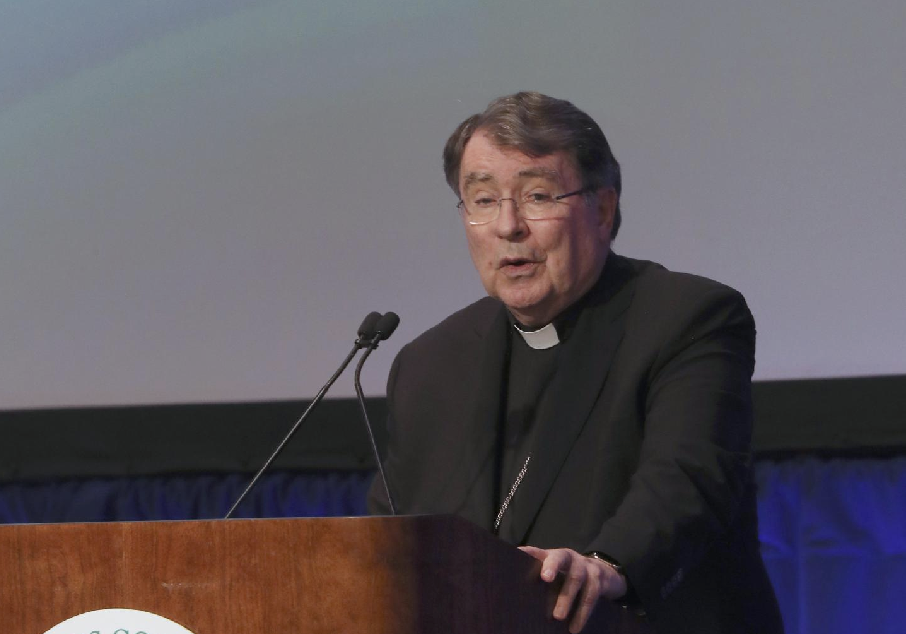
(469, 492)
(582, 369)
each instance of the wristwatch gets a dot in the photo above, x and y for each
(630, 600)
(607, 560)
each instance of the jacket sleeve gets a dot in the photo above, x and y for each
(692, 477)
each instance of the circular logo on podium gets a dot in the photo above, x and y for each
(118, 621)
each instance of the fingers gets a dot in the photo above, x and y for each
(601, 581)
(575, 575)
(587, 599)
(537, 553)
(584, 582)
(576, 582)
(552, 561)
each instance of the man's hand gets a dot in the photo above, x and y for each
(586, 578)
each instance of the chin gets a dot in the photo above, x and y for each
(525, 309)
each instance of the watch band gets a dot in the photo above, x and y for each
(595, 554)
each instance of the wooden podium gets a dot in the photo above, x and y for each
(368, 575)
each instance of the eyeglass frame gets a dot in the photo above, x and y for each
(461, 205)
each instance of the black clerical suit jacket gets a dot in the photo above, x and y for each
(642, 451)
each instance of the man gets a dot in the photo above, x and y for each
(594, 410)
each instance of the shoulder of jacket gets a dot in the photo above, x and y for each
(654, 279)
(463, 327)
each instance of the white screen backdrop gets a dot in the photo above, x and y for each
(200, 199)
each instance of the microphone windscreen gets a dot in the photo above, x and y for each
(386, 325)
(369, 325)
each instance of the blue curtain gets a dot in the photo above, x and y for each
(183, 497)
(833, 532)
(833, 535)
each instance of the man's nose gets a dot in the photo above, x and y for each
(510, 223)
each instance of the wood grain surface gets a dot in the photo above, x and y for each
(366, 575)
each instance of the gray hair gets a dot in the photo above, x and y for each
(538, 125)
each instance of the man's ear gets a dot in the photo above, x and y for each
(607, 210)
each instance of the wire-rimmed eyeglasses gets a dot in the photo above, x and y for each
(531, 206)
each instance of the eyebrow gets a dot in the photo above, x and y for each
(477, 177)
(533, 172)
(540, 172)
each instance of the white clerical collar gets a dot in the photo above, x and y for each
(540, 339)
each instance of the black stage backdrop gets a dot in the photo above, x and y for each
(850, 417)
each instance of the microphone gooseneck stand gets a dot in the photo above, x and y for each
(367, 334)
(384, 329)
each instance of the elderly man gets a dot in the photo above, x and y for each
(594, 410)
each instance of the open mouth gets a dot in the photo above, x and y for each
(516, 265)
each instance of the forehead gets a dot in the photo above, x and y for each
(485, 162)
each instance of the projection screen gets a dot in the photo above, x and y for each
(200, 200)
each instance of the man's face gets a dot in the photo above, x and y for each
(537, 268)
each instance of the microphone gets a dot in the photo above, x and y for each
(368, 335)
(368, 328)
(383, 329)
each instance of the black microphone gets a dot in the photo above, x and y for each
(368, 329)
(383, 329)
(368, 334)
